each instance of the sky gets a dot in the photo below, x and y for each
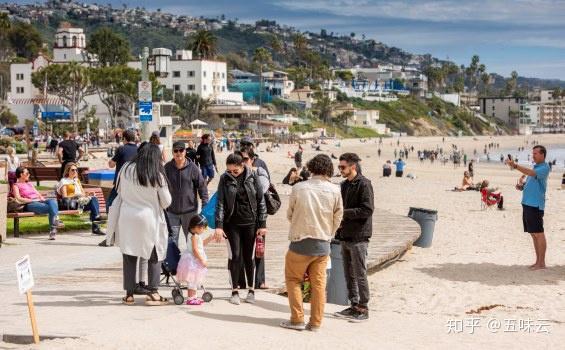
(523, 35)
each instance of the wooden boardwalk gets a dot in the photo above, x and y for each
(393, 236)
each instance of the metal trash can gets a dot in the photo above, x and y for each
(336, 289)
(427, 219)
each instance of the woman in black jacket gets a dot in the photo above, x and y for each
(241, 215)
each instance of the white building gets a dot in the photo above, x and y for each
(506, 109)
(70, 44)
(183, 74)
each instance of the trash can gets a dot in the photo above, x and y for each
(427, 219)
(336, 289)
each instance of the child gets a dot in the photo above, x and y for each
(192, 265)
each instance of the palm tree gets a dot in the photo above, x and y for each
(323, 106)
(277, 45)
(203, 44)
(300, 45)
(261, 56)
(4, 22)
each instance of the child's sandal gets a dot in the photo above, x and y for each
(128, 300)
(194, 301)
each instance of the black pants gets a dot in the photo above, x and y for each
(241, 241)
(130, 272)
(355, 267)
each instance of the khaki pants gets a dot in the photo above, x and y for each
(295, 267)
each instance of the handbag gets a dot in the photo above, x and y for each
(259, 247)
(14, 205)
(272, 200)
(69, 203)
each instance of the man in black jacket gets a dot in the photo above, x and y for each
(206, 157)
(354, 233)
(185, 181)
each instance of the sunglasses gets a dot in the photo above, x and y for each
(180, 150)
(73, 170)
(341, 167)
(233, 172)
(246, 158)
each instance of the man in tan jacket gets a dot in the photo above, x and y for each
(315, 211)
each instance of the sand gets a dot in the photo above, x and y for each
(478, 258)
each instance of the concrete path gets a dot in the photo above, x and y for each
(78, 291)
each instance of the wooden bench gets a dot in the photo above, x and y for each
(45, 173)
(49, 194)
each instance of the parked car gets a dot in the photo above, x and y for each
(7, 132)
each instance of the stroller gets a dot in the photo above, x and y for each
(169, 270)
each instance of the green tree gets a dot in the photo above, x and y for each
(117, 88)
(261, 56)
(25, 40)
(300, 46)
(5, 46)
(299, 75)
(323, 107)
(70, 82)
(277, 45)
(511, 84)
(203, 44)
(7, 118)
(459, 84)
(109, 47)
(190, 107)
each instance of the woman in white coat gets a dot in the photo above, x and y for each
(140, 226)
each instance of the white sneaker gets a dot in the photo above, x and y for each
(235, 299)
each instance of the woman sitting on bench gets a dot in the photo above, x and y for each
(25, 192)
(74, 197)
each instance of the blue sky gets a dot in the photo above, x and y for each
(523, 35)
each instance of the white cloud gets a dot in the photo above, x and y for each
(545, 12)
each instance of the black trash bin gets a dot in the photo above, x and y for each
(426, 218)
(336, 289)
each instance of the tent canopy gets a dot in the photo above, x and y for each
(198, 122)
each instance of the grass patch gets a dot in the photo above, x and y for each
(40, 224)
(363, 132)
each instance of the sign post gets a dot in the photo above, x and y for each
(25, 283)
(144, 95)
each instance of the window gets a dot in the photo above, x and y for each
(20, 90)
(204, 73)
(223, 89)
(176, 74)
(190, 73)
(223, 75)
(20, 76)
(191, 87)
(176, 87)
(204, 87)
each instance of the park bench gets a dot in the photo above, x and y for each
(48, 173)
(50, 194)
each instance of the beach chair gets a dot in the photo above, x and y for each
(489, 199)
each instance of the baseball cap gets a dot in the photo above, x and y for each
(179, 145)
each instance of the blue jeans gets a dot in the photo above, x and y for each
(94, 207)
(48, 206)
(207, 171)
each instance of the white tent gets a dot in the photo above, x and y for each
(197, 122)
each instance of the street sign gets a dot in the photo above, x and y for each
(25, 276)
(145, 111)
(144, 91)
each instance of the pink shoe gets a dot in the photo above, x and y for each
(194, 301)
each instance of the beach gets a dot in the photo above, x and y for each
(431, 298)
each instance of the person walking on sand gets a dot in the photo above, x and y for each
(354, 233)
(315, 210)
(533, 188)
